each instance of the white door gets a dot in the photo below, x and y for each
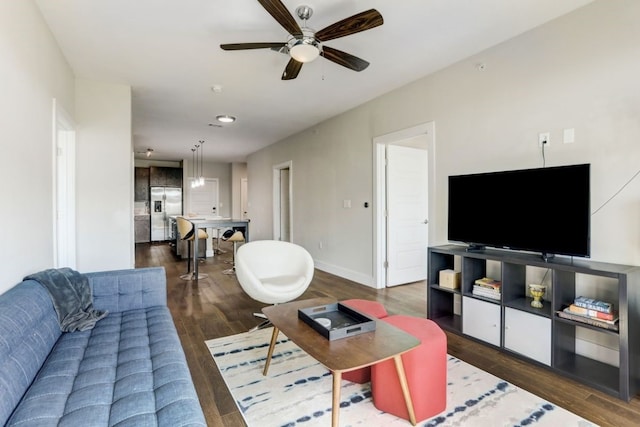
(244, 204)
(282, 201)
(203, 200)
(407, 212)
(64, 140)
(285, 221)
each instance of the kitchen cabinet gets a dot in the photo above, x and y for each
(165, 177)
(481, 320)
(142, 228)
(528, 334)
(141, 184)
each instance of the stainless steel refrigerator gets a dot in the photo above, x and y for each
(165, 202)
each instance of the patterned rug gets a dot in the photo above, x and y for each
(297, 392)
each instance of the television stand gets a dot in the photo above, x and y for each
(475, 248)
(509, 323)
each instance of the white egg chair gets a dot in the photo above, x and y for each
(273, 271)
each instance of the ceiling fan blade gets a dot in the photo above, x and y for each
(243, 46)
(343, 58)
(282, 15)
(360, 22)
(292, 70)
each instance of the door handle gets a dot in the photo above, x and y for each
(426, 221)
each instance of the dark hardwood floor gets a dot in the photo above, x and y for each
(218, 307)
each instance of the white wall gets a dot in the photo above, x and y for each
(104, 177)
(34, 72)
(579, 71)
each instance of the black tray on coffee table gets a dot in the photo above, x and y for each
(345, 321)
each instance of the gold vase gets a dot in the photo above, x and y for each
(537, 292)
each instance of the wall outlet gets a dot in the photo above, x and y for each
(544, 138)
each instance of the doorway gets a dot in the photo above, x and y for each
(282, 202)
(64, 182)
(204, 200)
(404, 167)
(244, 198)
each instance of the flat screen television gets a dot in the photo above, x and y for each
(544, 210)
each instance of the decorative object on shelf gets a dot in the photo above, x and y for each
(488, 288)
(592, 313)
(594, 304)
(567, 313)
(537, 292)
(450, 279)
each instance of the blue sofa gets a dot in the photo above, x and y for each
(129, 370)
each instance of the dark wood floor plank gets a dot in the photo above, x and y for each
(218, 307)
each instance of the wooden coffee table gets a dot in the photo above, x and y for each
(342, 355)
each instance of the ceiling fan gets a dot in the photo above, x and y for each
(305, 44)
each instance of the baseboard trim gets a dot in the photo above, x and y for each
(345, 273)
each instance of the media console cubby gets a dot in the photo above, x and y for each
(540, 336)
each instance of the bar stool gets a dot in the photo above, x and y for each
(186, 229)
(236, 238)
(216, 249)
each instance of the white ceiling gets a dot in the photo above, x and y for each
(168, 52)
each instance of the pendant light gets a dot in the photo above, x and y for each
(201, 182)
(193, 167)
(196, 177)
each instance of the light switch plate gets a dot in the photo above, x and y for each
(569, 136)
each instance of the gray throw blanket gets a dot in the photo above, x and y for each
(72, 298)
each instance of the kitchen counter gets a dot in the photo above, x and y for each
(142, 228)
(201, 217)
(212, 224)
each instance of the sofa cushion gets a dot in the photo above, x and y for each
(131, 289)
(28, 330)
(128, 371)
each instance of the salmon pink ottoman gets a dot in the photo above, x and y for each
(371, 309)
(425, 367)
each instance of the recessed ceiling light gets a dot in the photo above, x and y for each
(224, 118)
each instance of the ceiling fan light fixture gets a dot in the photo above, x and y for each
(225, 118)
(305, 50)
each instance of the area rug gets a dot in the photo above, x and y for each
(297, 392)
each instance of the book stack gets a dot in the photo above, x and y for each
(592, 312)
(487, 288)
